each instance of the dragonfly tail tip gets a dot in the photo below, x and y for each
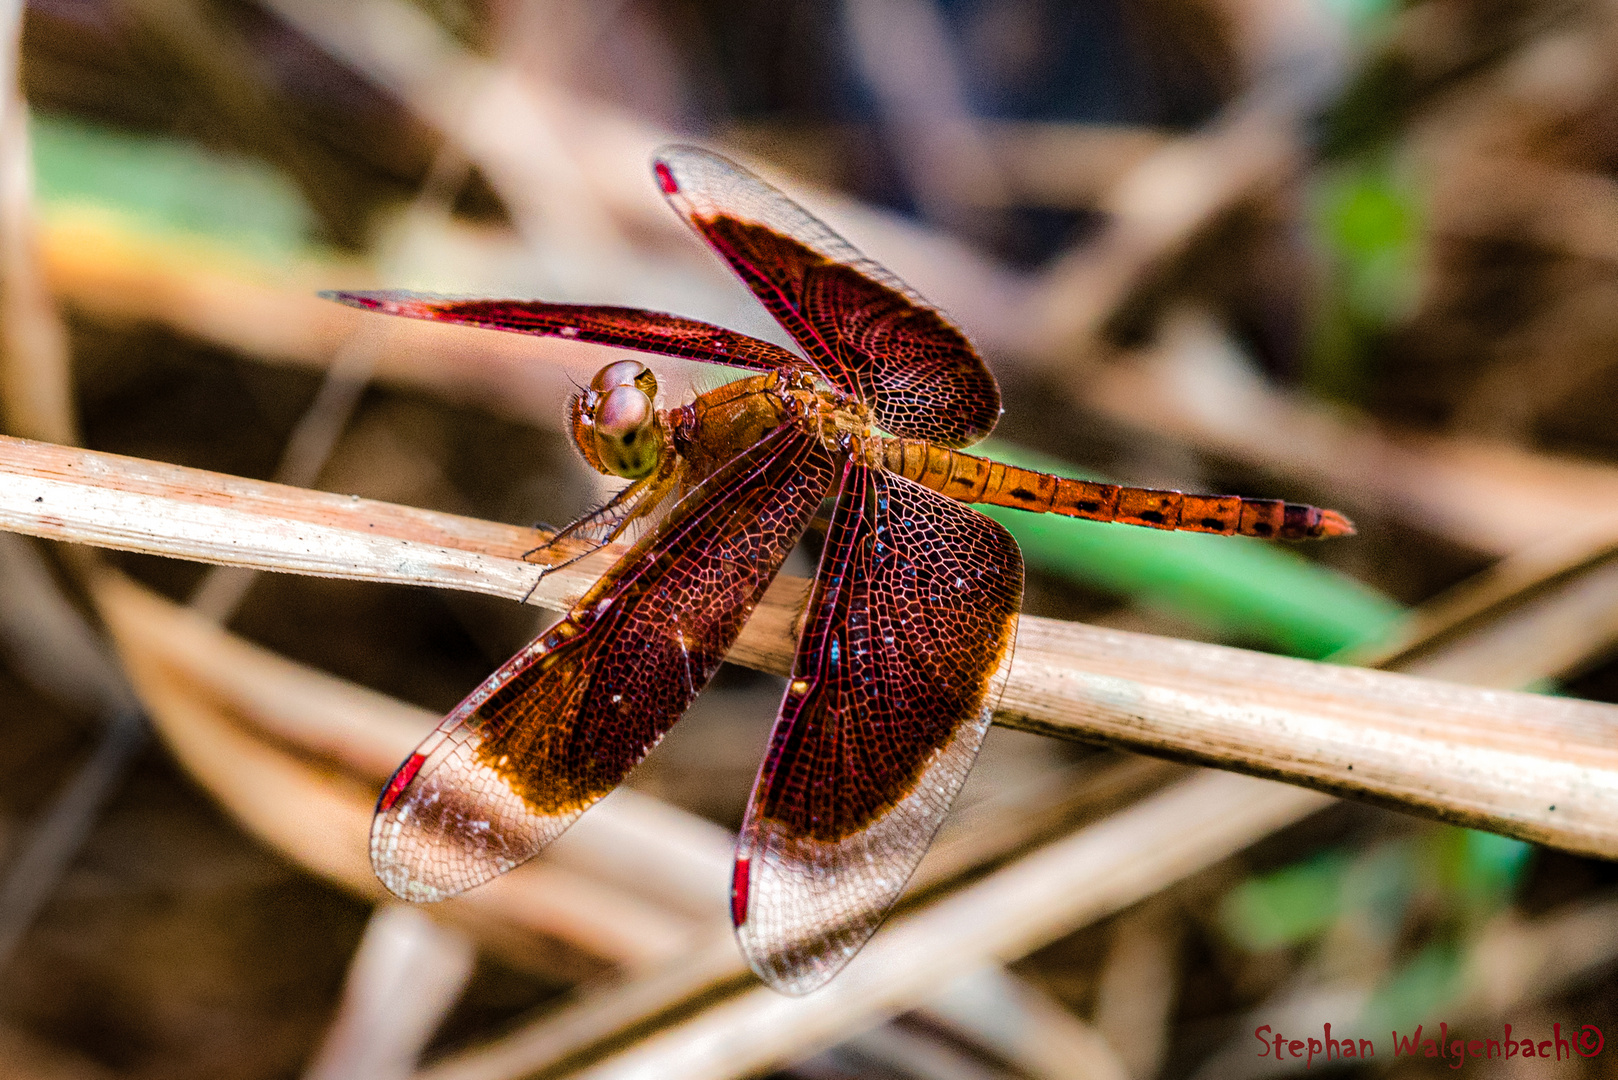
(1334, 524)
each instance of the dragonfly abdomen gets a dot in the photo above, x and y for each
(974, 479)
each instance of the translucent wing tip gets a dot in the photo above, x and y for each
(790, 953)
(673, 158)
(447, 821)
(803, 979)
(398, 881)
(398, 861)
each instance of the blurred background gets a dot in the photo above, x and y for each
(1359, 253)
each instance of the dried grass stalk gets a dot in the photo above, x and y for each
(406, 976)
(1027, 1027)
(1539, 768)
(1544, 769)
(215, 727)
(1086, 876)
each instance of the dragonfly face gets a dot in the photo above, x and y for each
(908, 631)
(616, 425)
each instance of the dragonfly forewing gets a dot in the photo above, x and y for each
(869, 334)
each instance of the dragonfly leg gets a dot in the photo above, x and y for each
(608, 521)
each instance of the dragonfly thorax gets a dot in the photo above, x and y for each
(842, 423)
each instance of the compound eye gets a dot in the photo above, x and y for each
(621, 373)
(628, 440)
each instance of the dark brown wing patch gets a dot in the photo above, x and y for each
(869, 334)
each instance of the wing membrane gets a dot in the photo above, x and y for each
(907, 648)
(626, 328)
(869, 334)
(562, 722)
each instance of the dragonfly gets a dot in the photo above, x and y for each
(907, 637)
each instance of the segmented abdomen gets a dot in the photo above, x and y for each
(973, 479)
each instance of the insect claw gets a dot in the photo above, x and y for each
(529, 595)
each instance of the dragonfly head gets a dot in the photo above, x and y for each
(615, 421)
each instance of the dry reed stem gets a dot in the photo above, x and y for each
(971, 839)
(135, 505)
(722, 963)
(1083, 877)
(1543, 769)
(207, 691)
(405, 977)
(1534, 767)
(724, 944)
(1022, 1024)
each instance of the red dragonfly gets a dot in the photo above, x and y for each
(909, 629)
